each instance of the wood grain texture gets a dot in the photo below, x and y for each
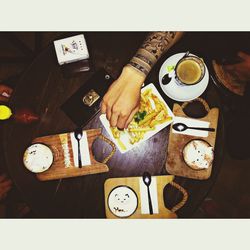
(134, 183)
(58, 170)
(175, 164)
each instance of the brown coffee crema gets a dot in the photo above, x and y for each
(189, 71)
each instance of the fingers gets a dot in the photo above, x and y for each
(109, 113)
(118, 115)
(130, 118)
(106, 106)
(122, 120)
(106, 109)
(103, 107)
(126, 117)
(114, 117)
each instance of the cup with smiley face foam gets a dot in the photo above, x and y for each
(189, 70)
(122, 201)
(38, 158)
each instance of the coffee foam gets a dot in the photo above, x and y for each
(189, 70)
(198, 154)
(38, 158)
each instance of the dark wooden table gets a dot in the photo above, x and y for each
(44, 89)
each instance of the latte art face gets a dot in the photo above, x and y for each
(122, 201)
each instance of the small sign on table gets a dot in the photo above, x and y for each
(72, 52)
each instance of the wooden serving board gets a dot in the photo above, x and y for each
(134, 183)
(58, 169)
(175, 164)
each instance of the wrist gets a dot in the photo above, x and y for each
(133, 76)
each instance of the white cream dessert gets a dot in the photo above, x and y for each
(198, 154)
(38, 158)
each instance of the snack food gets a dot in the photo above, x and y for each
(198, 154)
(38, 158)
(152, 112)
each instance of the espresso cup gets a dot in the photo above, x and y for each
(189, 70)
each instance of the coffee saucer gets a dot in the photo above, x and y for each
(176, 91)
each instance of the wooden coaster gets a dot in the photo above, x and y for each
(134, 184)
(175, 164)
(58, 169)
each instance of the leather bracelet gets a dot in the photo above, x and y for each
(143, 58)
(139, 68)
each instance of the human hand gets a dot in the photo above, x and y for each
(122, 99)
(242, 69)
(5, 93)
(5, 186)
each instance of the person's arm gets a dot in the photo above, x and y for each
(152, 49)
(122, 100)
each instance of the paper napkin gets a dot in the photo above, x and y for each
(144, 196)
(84, 149)
(191, 123)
